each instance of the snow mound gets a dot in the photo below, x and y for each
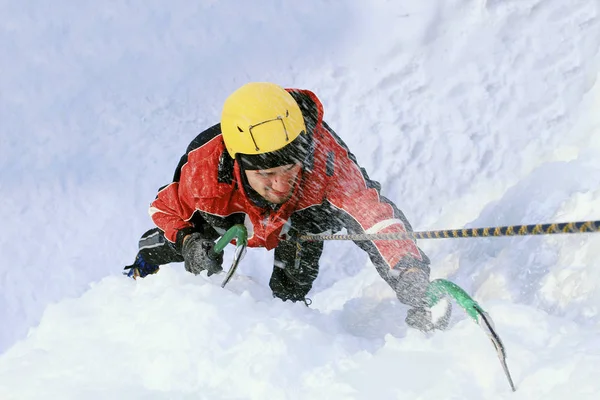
(175, 335)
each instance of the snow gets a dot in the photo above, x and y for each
(181, 336)
(469, 114)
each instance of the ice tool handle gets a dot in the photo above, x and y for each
(440, 288)
(237, 232)
(240, 234)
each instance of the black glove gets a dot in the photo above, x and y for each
(199, 255)
(286, 288)
(421, 318)
(411, 287)
(415, 282)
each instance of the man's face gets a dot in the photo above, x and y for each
(276, 185)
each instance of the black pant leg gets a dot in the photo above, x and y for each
(156, 249)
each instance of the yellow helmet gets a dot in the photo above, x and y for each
(259, 118)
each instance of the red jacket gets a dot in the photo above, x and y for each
(334, 179)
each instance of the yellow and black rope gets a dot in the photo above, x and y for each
(513, 230)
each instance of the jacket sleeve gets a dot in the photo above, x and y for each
(173, 208)
(363, 210)
(170, 213)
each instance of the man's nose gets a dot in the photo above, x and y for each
(280, 184)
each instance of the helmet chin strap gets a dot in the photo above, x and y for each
(298, 151)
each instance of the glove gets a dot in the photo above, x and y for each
(140, 268)
(422, 319)
(411, 287)
(199, 255)
(412, 290)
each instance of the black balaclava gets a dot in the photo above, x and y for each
(295, 152)
(300, 151)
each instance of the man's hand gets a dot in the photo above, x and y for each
(412, 287)
(199, 255)
(415, 282)
(427, 319)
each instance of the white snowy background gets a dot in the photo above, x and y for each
(470, 113)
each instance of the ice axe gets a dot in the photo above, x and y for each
(440, 288)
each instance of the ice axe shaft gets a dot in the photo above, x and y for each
(488, 326)
(240, 234)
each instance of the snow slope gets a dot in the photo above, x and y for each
(469, 114)
(184, 337)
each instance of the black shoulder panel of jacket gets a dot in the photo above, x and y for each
(308, 109)
(225, 174)
(199, 141)
(204, 137)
